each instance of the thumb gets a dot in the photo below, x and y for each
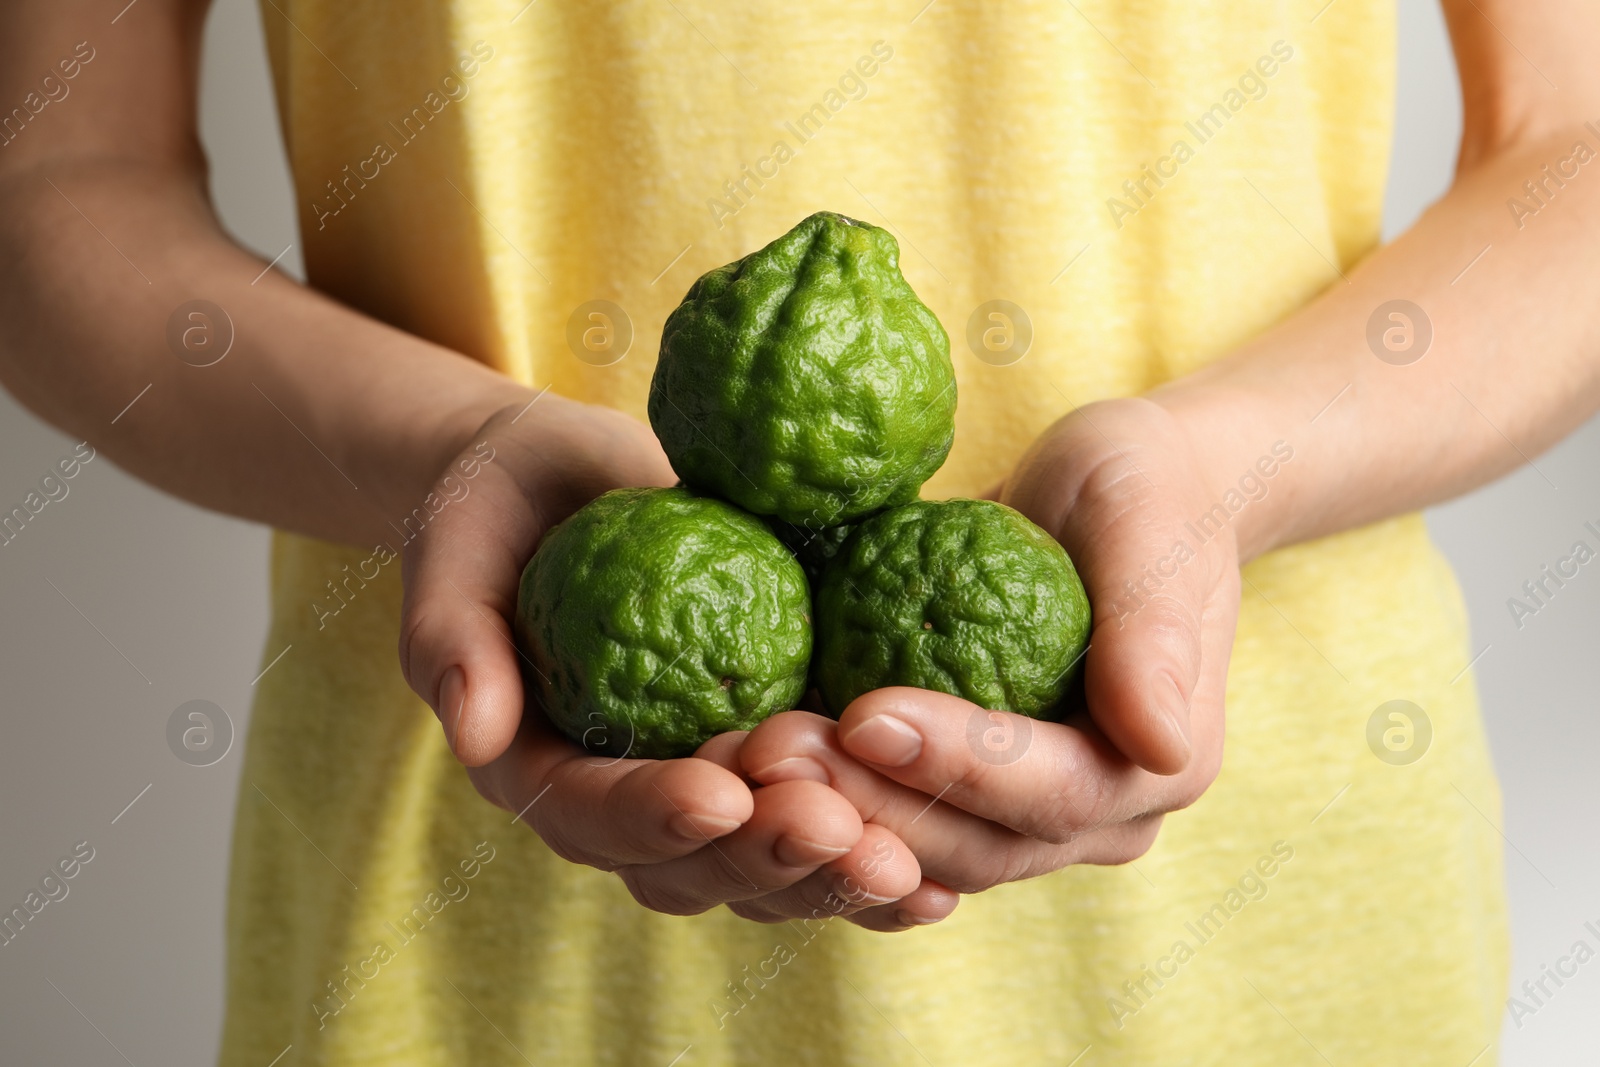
(1145, 661)
(1147, 596)
(457, 648)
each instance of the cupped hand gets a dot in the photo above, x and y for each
(685, 835)
(983, 797)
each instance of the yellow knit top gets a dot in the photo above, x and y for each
(1144, 184)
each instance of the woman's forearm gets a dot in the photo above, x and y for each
(318, 419)
(1513, 364)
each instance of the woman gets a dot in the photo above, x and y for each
(1203, 361)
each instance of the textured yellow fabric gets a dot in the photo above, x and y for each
(1326, 902)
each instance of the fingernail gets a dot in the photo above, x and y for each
(884, 740)
(846, 888)
(794, 769)
(702, 827)
(1174, 708)
(798, 852)
(452, 699)
(906, 918)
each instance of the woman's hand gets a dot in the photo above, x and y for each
(685, 835)
(982, 797)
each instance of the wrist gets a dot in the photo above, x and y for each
(447, 422)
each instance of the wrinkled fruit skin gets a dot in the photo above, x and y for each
(655, 619)
(806, 381)
(812, 547)
(965, 597)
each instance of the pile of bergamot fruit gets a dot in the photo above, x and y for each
(803, 395)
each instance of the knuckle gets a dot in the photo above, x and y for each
(793, 723)
(561, 846)
(787, 733)
(1118, 481)
(1186, 795)
(1135, 849)
(585, 854)
(970, 777)
(1084, 805)
(880, 920)
(726, 874)
(970, 884)
(1145, 837)
(980, 873)
(746, 909)
(1019, 864)
(1015, 863)
(1130, 843)
(1190, 786)
(1053, 821)
(486, 782)
(653, 894)
(1171, 622)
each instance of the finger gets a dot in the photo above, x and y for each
(795, 828)
(456, 646)
(723, 750)
(466, 545)
(925, 905)
(1147, 600)
(1143, 670)
(1158, 669)
(1044, 780)
(608, 813)
(963, 851)
(879, 870)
